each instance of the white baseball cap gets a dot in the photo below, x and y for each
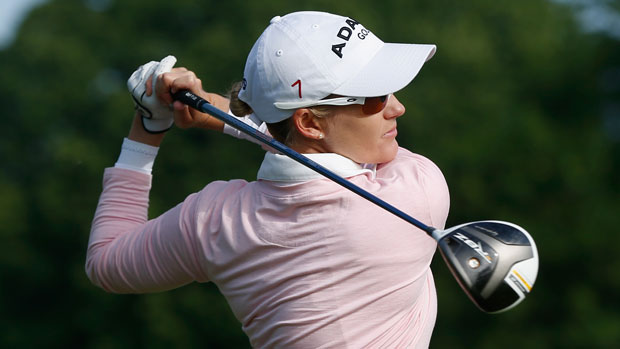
(306, 56)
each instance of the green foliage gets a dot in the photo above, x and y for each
(517, 108)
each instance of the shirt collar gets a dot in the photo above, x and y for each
(278, 167)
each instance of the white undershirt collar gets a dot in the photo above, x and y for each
(277, 167)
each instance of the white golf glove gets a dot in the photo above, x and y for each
(156, 116)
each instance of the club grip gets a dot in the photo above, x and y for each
(189, 98)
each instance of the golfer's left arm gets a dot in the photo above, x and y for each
(127, 252)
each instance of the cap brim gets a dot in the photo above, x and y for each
(391, 69)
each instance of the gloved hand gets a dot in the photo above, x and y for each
(157, 117)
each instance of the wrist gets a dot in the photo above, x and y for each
(136, 156)
(138, 134)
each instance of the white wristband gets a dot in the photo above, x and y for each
(136, 156)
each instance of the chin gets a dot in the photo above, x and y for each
(386, 155)
(385, 159)
(390, 154)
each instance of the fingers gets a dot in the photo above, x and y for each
(149, 81)
(149, 87)
(186, 117)
(183, 118)
(138, 77)
(173, 81)
(164, 66)
(164, 83)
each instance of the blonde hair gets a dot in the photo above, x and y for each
(282, 131)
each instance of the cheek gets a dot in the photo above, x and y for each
(361, 139)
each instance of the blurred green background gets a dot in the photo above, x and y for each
(520, 108)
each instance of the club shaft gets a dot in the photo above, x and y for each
(201, 104)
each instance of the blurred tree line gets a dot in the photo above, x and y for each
(519, 108)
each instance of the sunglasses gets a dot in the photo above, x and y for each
(370, 105)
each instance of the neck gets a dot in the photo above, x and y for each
(309, 147)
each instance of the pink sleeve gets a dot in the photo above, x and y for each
(127, 253)
(436, 190)
(418, 171)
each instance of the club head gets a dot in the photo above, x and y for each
(495, 262)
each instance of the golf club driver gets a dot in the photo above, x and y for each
(494, 262)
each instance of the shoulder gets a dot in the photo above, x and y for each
(223, 190)
(415, 173)
(411, 166)
(209, 203)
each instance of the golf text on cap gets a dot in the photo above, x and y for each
(475, 246)
(345, 34)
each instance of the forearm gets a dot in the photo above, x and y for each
(127, 253)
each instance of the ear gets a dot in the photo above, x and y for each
(308, 125)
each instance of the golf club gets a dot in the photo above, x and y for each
(494, 262)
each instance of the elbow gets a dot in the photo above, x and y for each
(103, 275)
(96, 272)
(91, 270)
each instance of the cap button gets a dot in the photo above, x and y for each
(275, 19)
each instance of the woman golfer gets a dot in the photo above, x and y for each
(302, 261)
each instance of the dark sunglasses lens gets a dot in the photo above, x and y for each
(373, 105)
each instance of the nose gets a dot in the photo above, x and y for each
(394, 108)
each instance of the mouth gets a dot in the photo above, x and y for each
(391, 133)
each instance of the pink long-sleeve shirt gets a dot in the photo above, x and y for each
(302, 261)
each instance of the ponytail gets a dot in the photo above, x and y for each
(237, 106)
